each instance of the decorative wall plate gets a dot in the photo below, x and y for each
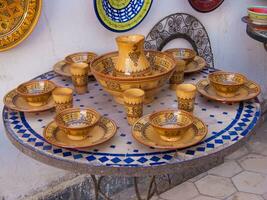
(17, 20)
(102, 132)
(63, 69)
(249, 91)
(205, 5)
(15, 102)
(123, 15)
(144, 133)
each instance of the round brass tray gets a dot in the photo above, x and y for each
(17, 21)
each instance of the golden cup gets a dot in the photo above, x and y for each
(76, 122)
(185, 54)
(226, 84)
(63, 98)
(37, 92)
(178, 75)
(171, 124)
(186, 94)
(79, 76)
(133, 103)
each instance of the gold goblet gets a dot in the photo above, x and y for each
(178, 75)
(133, 103)
(186, 94)
(79, 76)
(63, 98)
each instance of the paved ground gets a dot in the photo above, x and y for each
(243, 176)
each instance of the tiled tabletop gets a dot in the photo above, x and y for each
(227, 124)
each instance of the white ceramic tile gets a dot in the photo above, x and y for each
(202, 197)
(215, 186)
(258, 146)
(251, 182)
(237, 154)
(227, 169)
(254, 162)
(244, 196)
(184, 191)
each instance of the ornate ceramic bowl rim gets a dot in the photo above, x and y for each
(36, 94)
(155, 114)
(257, 13)
(68, 58)
(71, 110)
(192, 52)
(132, 79)
(227, 73)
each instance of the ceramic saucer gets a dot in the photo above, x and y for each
(15, 102)
(63, 69)
(197, 65)
(144, 133)
(258, 25)
(102, 132)
(249, 91)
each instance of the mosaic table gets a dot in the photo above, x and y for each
(228, 124)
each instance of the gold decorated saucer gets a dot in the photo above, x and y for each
(15, 102)
(144, 133)
(196, 65)
(102, 132)
(248, 91)
(63, 69)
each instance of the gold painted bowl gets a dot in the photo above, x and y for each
(162, 66)
(86, 57)
(37, 92)
(226, 84)
(185, 54)
(77, 123)
(171, 124)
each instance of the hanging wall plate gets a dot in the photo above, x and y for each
(205, 5)
(17, 20)
(123, 15)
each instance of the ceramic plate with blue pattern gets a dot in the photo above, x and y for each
(121, 15)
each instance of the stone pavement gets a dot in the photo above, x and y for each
(243, 176)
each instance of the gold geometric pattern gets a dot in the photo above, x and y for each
(17, 20)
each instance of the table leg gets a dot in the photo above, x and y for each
(97, 188)
(152, 189)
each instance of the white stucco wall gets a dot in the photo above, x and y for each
(68, 26)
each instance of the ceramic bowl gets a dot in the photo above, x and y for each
(76, 122)
(162, 66)
(171, 124)
(226, 84)
(37, 92)
(86, 57)
(185, 54)
(256, 13)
